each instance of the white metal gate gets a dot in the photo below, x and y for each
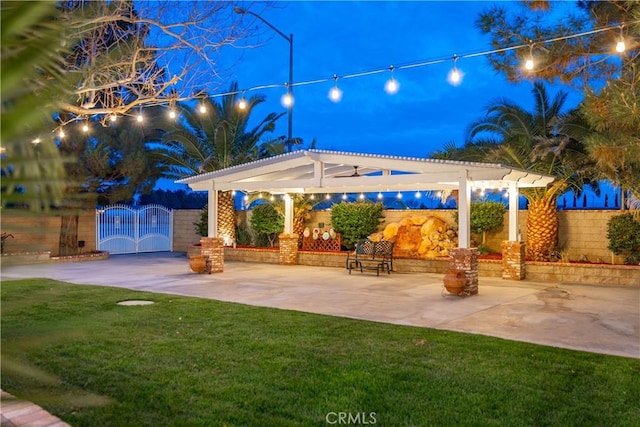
(121, 229)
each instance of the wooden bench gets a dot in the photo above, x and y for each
(370, 255)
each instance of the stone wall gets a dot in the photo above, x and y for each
(184, 232)
(583, 233)
(41, 233)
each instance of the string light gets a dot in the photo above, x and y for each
(113, 118)
(61, 134)
(344, 196)
(528, 65)
(327, 196)
(242, 104)
(392, 86)
(139, 117)
(379, 196)
(172, 114)
(335, 94)
(455, 76)
(85, 127)
(287, 100)
(417, 195)
(620, 46)
(361, 197)
(399, 195)
(36, 141)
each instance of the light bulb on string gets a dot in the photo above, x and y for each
(233, 192)
(361, 196)
(242, 103)
(202, 108)
(335, 94)
(327, 196)
(113, 118)
(621, 46)
(61, 134)
(36, 141)
(312, 197)
(172, 114)
(392, 86)
(417, 195)
(85, 128)
(380, 196)
(455, 76)
(344, 196)
(528, 65)
(287, 100)
(399, 195)
(139, 118)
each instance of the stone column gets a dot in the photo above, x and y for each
(213, 249)
(513, 255)
(466, 259)
(288, 248)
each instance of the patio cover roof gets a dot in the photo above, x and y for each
(321, 171)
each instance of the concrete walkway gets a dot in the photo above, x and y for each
(600, 319)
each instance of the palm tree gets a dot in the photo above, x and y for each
(217, 139)
(544, 140)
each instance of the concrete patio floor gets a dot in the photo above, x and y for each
(600, 319)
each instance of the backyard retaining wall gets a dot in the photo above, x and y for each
(583, 233)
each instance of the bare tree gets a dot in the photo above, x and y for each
(133, 55)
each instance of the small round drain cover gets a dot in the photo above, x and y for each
(135, 302)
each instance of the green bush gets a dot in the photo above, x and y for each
(266, 224)
(485, 216)
(355, 221)
(202, 226)
(623, 232)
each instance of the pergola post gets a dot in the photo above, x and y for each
(464, 211)
(464, 258)
(288, 239)
(513, 250)
(212, 247)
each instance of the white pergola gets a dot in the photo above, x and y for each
(320, 171)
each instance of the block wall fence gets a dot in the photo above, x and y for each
(583, 233)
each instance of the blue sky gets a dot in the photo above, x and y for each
(349, 37)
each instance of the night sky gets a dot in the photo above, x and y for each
(350, 37)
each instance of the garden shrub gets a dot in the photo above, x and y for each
(485, 216)
(623, 232)
(202, 226)
(356, 220)
(266, 224)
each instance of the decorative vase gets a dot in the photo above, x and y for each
(198, 263)
(454, 281)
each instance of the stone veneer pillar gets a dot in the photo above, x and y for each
(513, 255)
(466, 259)
(213, 249)
(288, 248)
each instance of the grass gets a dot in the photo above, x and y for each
(195, 362)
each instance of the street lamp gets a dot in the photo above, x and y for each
(289, 38)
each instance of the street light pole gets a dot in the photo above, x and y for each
(288, 38)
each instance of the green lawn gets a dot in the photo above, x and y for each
(195, 362)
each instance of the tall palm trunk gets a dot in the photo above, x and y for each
(542, 228)
(226, 216)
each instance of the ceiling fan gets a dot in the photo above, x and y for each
(354, 174)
